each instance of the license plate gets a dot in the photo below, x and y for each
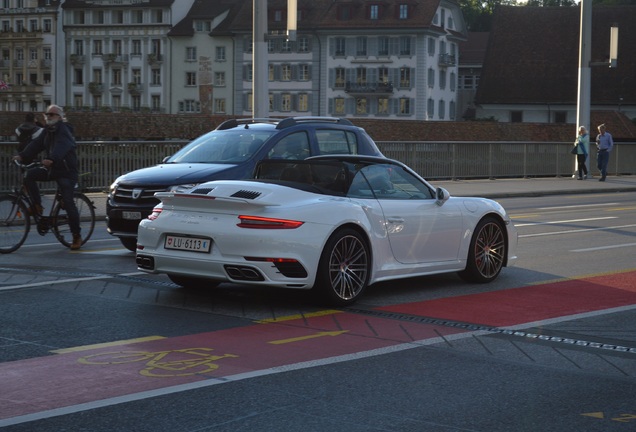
(193, 244)
(131, 215)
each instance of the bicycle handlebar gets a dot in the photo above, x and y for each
(29, 166)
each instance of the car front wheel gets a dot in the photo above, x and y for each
(487, 252)
(344, 268)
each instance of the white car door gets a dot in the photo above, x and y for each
(419, 230)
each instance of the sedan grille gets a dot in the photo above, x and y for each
(138, 195)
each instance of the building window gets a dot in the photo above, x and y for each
(361, 46)
(33, 25)
(78, 17)
(136, 47)
(405, 45)
(340, 78)
(47, 53)
(78, 101)
(405, 106)
(78, 47)
(136, 103)
(137, 17)
(219, 106)
(383, 75)
(97, 76)
(156, 77)
(431, 78)
(78, 78)
(286, 46)
(303, 72)
(98, 17)
(117, 47)
(156, 16)
(373, 12)
(442, 79)
(116, 100)
(136, 76)
(286, 72)
(33, 54)
(431, 46)
(339, 105)
(383, 105)
(116, 77)
(403, 11)
(560, 116)
(442, 110)
(361, 105)
(189, 106)
(118, 17)
(285, 102)
(220, 53)
(219, 79)
(340, 46)
(516, 116)
(191, 78)
(383, 46)
(156, 102)
(202, 26)
(270, 72)
(47, 26)
(361, 76)
(97, 47)
(405, 77)
(303, 102)
(451, 110)
(303, 44)
(430, 108)
(191, 54)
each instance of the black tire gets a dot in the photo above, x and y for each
(344, 268)
(129, 243)
(14, 223)
(60, 226)
(487, 252)
(194, 282)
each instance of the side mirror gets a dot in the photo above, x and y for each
(164, 160)
(441, 196)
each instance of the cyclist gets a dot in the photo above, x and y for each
(59, 163)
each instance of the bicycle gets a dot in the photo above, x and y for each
(17, 209)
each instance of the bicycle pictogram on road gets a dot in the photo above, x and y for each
(162, 364)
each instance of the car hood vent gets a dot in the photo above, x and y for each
(246, 194)
(203, 191)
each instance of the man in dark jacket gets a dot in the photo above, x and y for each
(27, 131)
(59, 163)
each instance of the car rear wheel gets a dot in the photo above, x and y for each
(193, 282)
(487, 252)
(344, 268)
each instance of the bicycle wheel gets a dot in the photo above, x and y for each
(60, 226)
(14, 223)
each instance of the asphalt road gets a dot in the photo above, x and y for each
(88, 343)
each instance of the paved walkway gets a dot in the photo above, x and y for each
(500, 188)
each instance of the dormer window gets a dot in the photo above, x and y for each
(374, 11)
(403, 11)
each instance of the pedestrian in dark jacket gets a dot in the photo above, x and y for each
(28, 131)
(59, 163)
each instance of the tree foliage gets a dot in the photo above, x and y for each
(478, 14)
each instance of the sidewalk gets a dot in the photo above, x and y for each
(499, 188)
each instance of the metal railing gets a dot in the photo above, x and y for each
(103, 161)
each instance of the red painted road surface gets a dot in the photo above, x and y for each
(64, 380)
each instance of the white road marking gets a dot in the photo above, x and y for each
(566, 221)
(604, 247)
(576, 231)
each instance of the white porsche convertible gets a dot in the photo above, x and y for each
(332, 223)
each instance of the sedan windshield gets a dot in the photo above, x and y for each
(225, 147)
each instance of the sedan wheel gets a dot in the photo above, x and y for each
(487, 252)
(343, 272)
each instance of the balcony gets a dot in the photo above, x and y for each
(154, 59)
(135, 89)
(115, 59)
(78, 59)
(447, 60)
(95, 88)
(369, 88)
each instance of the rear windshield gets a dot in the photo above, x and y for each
(231, 146)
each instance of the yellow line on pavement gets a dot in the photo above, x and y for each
(106, 344)
(300, 316)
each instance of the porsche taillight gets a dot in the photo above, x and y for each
(267, 223)
(155, 213)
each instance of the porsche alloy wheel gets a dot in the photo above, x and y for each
(487, 252)
(343, 272)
